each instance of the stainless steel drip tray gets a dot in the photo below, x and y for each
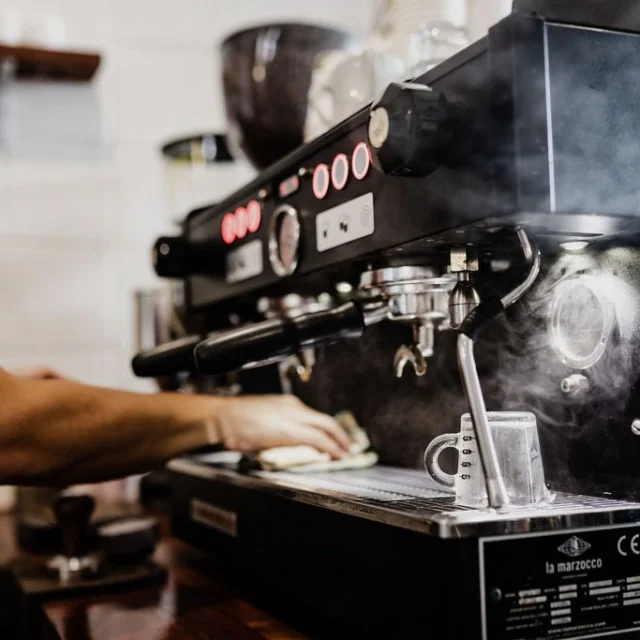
(407, 498)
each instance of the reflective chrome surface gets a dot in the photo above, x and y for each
(284, 240)
(408, 499)
(495, 483)
(581, 321)
(293, 305)
(71, 569)
(414, 295)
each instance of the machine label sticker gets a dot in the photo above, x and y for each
(244, 262)
(345, 223)
(215, 517)
(577, 584)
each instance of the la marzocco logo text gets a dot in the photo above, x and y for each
(573, 548)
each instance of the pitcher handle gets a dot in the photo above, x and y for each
(432, 454)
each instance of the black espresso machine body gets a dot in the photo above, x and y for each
(533, 128)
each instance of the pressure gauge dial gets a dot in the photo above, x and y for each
(284, 240)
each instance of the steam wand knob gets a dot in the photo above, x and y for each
(414, 130)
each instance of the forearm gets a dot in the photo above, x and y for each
(61, 432)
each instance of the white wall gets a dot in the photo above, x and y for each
(482, 14)
(75, 235)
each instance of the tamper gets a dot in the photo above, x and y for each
(76, 561)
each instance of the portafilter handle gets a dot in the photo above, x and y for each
(167, 359)
(274, 340)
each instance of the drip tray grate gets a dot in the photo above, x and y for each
(382, 484)
(408, 498)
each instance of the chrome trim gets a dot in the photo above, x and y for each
(280, 269)
(549, 114)
(532, 255)
(558, 341)
(378, 129)
(292, 305)
(496, 488)
(374, 314)
(406, 275)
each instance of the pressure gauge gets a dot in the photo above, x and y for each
(284, 240)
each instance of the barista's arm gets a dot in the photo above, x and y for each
(62, 432)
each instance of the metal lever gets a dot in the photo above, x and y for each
(496, 488)
(480, 317)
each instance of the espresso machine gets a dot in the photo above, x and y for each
(466, 245)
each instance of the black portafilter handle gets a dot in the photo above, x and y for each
(73, 515)
(167, 359)
(273, 340)
(179, 257)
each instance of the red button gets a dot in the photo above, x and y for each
(360, 161)
(339, 171)
(320, 181)
(254, 215)
(242, 222)
(228, 228)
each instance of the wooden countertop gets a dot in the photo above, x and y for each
(198, 600)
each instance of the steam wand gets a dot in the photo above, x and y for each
(469, 330)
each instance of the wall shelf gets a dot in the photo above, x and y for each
(49, 64)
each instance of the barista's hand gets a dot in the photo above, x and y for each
(37, 373)
(255, 423)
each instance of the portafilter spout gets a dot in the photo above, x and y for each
(417, 296)
(469, 331)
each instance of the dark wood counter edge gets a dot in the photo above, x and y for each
(31, 62)
(200, 599)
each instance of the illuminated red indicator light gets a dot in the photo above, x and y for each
(254, 216)
(242, 222)
(339, 171)
(360, 161)
(320, 181)
(228, 228)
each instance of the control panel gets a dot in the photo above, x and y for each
(322, 205)
(284, 226)
(318, 211)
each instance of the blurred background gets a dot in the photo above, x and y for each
(85, 187)
(83, 183)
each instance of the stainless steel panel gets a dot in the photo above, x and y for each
(408, 499)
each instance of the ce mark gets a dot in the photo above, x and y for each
(633, 545)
